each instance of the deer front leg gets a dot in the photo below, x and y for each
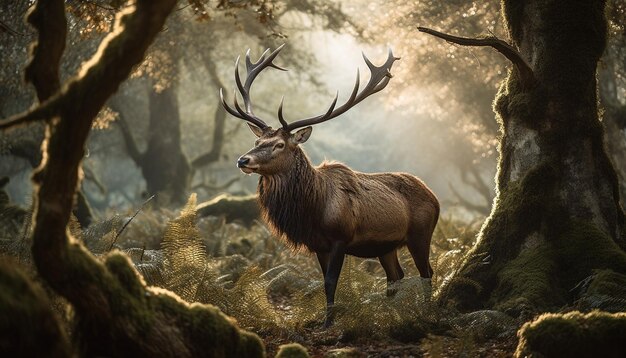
(322, 258)
(331, 277)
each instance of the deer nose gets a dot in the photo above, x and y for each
(241, 162)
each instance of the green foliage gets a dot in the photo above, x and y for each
(28, 326)
(259, 281)
(292, 350)
(595, 334)
(270, 289)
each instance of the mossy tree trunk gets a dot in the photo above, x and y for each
(614, 118)
(43, 73)
(116, 314)
(557, 215)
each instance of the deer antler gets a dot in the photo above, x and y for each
(380, 76)
(253, 70)
(379, 79)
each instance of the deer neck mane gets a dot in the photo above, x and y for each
(292, 202)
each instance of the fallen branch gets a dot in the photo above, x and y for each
(128, 222)
(222, 186)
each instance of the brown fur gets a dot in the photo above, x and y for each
(373, 214)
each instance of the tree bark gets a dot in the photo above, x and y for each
(614, 119)
(557, 215)
(116, 314)
(43, 73)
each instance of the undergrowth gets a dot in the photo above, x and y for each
(266, 286)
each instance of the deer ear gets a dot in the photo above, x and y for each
(256, 130)
(302, 135)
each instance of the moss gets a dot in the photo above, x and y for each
(596, 334)
(519, 210)
(513, 12)
(527, 282)
(526, 105)
(608, 282)
(582, 248)
(292, 350)
(121, 267)
(606, 290)
(28, 327)
(125, 318)
(461, 292)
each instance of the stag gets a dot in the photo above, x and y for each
(330, 209)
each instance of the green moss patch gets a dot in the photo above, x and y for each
(604, 290)
(527, 282)
(28, 327)
(292, 350)
(520, 208)
(596, 334)
(120, 316)
(583, 248)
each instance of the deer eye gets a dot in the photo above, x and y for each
(279, 146)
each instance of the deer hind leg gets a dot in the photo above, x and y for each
(392, 268)
(419, 246)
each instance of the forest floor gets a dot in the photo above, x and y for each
(320, 344)
(277, 293)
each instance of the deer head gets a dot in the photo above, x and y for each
(274, 150)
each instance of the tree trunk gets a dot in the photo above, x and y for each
(557, 216)
(614, 119)
(164, 165)
(43, 73)
(116, 314)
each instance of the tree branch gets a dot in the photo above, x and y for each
(481, 209)
(48, 18)
(57, 179)
(6, 28)
(213, 155)
(527, 76)
(223, 186)
(45, 111)
(478, 183)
